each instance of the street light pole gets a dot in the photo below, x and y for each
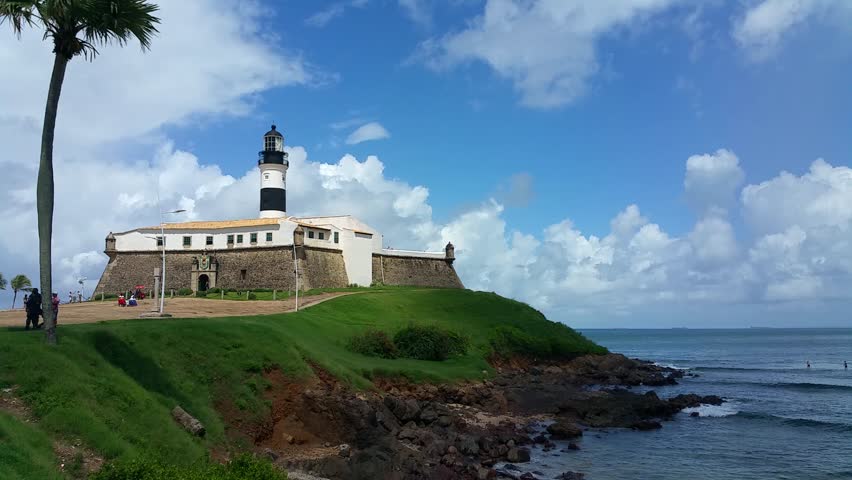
(163, 271)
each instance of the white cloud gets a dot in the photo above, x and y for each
(366, 133)
(335, 10)
(546, 48)
(712, 180)
(419, 11)
(124, 93)
(763, 26)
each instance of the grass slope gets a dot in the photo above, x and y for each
(113, 384)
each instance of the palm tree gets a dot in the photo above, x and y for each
(76, 27)
(19, 282)
(2, 282)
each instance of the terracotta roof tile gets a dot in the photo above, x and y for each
(216, 225)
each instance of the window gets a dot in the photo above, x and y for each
(322, 235)
(239, 239)
(159, 241)
(310, 234)
(269, 143)
(253, 238)
(243, 274)
(209, 240)
(336, 237)
(230, 239)
(187, 241)
(268, 236)
(266, 176)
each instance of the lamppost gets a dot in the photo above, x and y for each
(163, 271)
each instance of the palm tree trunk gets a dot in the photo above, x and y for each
(14, 299)
(44, 196)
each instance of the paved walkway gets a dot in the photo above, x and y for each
(188, 307)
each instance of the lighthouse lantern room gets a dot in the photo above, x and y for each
(273, 164)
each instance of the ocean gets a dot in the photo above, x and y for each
(782, 420)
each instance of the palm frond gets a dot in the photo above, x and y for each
(119, 21)
(19, 13)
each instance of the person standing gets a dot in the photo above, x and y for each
(33, 309)
(70, 297)
(55, 306)
(79, 296)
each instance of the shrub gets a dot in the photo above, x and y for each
(214, 290)
(252, 296)
(429, 343)
(244, 467)
(183, 292)
(373, 343)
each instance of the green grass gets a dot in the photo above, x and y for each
(113, 384)
(25, 451)
(267, 294)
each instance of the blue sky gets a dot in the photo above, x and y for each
(612, 163)
(463, 132)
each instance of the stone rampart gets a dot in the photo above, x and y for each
(415, 271)
(242, 269)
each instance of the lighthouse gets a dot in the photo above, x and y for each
(273, 164)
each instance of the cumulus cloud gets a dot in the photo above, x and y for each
(366, 133)
(547, 49)
(712, 180)
(763, 26)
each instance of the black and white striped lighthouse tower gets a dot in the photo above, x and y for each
(273, 165)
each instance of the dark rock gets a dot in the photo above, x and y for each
(270, 454)
(345, 450)
(518, 455)
(694, 414)
(571, 476)
(469, 445)
(646, 425)
(539, 439)
(573, 446)
(563, 430)
(528, 476)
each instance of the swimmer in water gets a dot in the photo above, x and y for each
(808, 363)
(845, 365)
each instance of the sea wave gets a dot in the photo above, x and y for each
(672, 366)
(797, 422)
(723, 410)
(811, 386)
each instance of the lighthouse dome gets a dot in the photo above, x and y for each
(273, 133)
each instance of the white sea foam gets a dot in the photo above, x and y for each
(724, 410)
(669, 365)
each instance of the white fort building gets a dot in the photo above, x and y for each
(268, 251)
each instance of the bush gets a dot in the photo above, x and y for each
(252, 296)
(373, 343)
(183, 292)
(214, 290)
(429, 343)
(244, 467)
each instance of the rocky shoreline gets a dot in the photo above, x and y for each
(407, 431)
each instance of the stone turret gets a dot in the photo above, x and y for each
(110, 244)
(299, 236)
(450, 252)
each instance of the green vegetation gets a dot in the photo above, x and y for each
(19, 282)
(113, 384)
(242, 468)
(25, 451)
(429, 342)
(373, 343)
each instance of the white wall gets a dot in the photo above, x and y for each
(358, 257)
(145, 239)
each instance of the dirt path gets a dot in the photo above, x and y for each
(90, 312)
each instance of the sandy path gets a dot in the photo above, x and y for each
(90, 312)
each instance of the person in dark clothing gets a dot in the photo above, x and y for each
(33, 309)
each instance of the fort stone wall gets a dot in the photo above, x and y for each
(415, 271)
(241, 269)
